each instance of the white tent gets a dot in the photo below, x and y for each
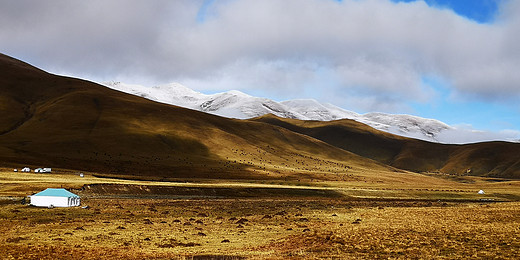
(55, 198)
(481, 192)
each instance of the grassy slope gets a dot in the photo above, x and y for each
(62, 122)
(497, 159)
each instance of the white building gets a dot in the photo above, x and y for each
(43, 170)
(26, 169)
(55, 198)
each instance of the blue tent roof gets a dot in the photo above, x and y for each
(56, 193)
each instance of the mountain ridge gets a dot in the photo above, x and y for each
(76, 124)
(236, 104)
(62, 122)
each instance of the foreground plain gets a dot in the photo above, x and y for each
(370, 221)
(270, 229)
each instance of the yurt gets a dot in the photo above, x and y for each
(55, 198)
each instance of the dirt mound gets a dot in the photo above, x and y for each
(123, 190)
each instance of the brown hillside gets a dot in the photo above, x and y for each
(495, 159)
(60, 122)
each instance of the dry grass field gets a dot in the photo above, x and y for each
(261, 228)
(370, 220)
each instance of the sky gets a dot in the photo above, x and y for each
(452, 60)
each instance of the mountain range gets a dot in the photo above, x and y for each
(236, 104)
(68, 123)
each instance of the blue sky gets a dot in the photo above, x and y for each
(482, 11)
(451, 60)
(481, 115)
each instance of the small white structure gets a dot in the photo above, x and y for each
(26, 169)
(81, 175)
(55, 198)
(43, 170)
(481, 192)
(15, 170)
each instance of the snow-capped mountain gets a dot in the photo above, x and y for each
(235, 104)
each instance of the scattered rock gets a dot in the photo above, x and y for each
(147, 221)
(281, 213)
(240, 226)
(174, 243)
(15, 239)
(334, 215)
(147, 239)
(242, 221)
(306, 230)
(225, 241)
(267, 217)
(176, 221)
(187, 223)
(201, 234)
(199, 222)
(120, 227)
(202, 215)
(79, 228)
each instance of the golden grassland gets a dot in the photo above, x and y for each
(409, 216)
(365, 184)
(269, 229)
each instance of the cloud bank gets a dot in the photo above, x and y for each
(367, 55)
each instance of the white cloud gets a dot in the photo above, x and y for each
(463, 134)
(375, 51)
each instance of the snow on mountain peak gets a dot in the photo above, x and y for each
(236, 104)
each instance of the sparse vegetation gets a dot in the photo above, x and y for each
(371, 220)
(315, 228)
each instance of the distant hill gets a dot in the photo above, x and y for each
(61, 122)
(494, 159)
